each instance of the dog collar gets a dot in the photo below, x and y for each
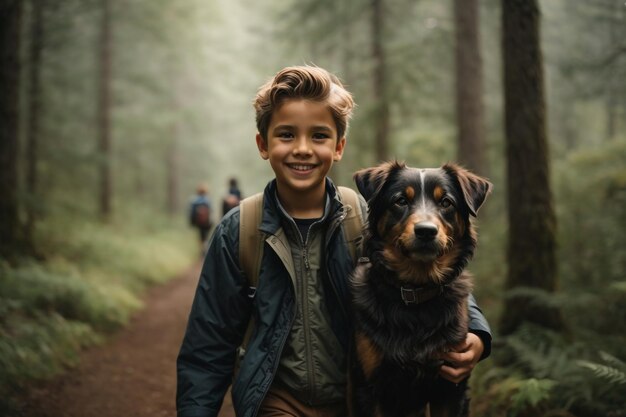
(419, 295)
(413, 295)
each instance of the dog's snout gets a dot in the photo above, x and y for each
(426, 230)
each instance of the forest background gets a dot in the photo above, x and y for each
(118, 109)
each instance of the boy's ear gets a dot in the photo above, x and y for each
(341, 145)
(262, 145)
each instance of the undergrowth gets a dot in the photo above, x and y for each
(538, 373)
(89, 284)
(582, 372)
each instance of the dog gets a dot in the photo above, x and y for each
(410, 289)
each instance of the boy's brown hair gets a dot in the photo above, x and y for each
(308, 83)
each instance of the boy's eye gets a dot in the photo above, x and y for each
(320, 136)
(285, 135)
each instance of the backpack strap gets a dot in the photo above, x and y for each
(353, 223)
(251, 240)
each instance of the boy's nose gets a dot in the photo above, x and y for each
(302, 146)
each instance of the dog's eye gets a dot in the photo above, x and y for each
(401, 202)
(445, 202)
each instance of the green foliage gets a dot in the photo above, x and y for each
(509, 395)
(530, 393)
(538, 372)
(38, 288)
(39, 344)
(613, 375)
(88, 286)
(590, 194)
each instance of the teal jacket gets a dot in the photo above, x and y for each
(224, 304)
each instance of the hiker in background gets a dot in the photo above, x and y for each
(200, 214)
(233, 197)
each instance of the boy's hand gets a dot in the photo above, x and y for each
(460, 361)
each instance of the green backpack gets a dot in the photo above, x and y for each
(251, 239)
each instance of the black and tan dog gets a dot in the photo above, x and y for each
(410, 290)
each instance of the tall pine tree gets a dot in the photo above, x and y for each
(10, 21)
(531, 216)
(381, 110)
(104, 112)
(469, 87)
(34, 113)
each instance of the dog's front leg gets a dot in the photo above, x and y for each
(451, 401)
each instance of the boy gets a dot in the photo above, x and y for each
(296, 359)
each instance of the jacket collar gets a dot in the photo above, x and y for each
(273, 214)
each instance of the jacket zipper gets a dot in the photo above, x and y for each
(305, 255)
(305, 315)
(331, 231)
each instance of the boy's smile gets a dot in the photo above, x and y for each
(301, 147)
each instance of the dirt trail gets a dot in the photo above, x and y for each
(134, 373)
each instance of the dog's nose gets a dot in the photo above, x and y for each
(426, 230)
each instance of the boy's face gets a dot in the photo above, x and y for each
(301, 146)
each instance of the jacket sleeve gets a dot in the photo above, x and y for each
(478, 325)
(219, 316)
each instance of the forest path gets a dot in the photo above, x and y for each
(134, 372)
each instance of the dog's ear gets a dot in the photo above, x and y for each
(370, 181)
(475, 189)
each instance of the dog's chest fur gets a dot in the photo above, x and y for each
(408, 335)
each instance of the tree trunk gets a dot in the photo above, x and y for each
(10, 21)
(34, 111)
(611, 113)
(346, 58)
(381, 108)
(104, 113)
(469, 87)
(612, 83)
(532, 221)
(172, 161)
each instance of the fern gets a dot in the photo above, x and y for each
(537, 296)
(544, 354)
(536, 354)
(613, 375)
(530, 393)
(612, 360)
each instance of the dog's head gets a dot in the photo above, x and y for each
(419, 219)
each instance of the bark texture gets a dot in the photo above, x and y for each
(381, 111)
(532, 221)
(10, 21)
(104, 113)
(469, 87)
